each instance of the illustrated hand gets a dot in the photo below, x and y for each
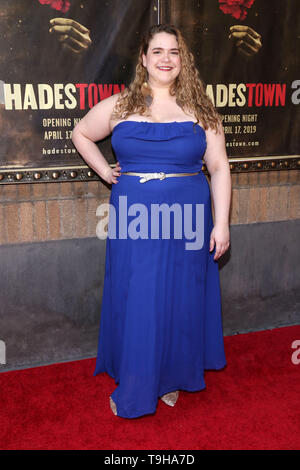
(246, 39)
(110, 175)
(219, 238)
(71, 34)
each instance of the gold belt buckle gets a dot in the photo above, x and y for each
(153, 176)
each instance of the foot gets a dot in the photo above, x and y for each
(170, 398)
(113, 406)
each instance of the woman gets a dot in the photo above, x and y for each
(161, 315)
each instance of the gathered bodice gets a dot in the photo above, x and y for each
(159, 146)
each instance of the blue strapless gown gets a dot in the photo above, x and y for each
(161, 324)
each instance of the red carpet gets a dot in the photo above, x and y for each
(252, 404)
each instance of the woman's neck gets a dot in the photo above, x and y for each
(160, 92)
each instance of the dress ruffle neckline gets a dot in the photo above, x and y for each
(160, 130)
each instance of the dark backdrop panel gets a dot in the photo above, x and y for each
(271, 129)
(31, 56)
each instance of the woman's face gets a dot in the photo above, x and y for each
(162, 59)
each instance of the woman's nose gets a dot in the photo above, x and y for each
(166, 57)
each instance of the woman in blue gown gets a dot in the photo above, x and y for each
(161, 324)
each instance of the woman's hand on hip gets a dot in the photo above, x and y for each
(110, 174)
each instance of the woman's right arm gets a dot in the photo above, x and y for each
(95, 126)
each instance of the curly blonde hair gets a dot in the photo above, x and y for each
(188, 86)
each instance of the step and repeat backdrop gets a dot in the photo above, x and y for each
(60, 57)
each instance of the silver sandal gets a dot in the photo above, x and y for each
(170, 398)
(113, 406)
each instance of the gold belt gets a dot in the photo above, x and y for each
(156, 176)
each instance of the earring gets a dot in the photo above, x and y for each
(179, 103)
(148, 100)
(146, 91)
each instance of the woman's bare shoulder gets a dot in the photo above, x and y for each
(108, 104)
(96, 123)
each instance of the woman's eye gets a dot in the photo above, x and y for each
(171, 52)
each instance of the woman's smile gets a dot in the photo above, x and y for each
(165, 68)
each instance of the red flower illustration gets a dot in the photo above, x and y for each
(236, 8)
(60, 5)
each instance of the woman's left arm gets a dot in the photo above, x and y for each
(218, 167)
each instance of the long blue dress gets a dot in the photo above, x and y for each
(161, 323)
